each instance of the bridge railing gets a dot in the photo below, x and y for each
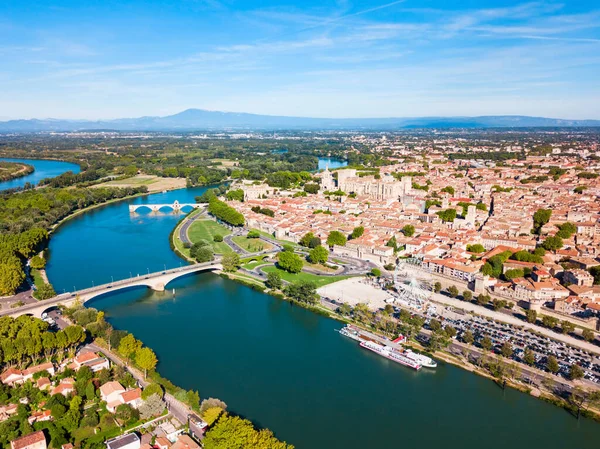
(103, 287)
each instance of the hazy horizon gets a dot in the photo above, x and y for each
(374, 59)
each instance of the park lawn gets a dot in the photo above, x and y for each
(207, 229)
(320, 281)
(281, 242)
(37, 278)
(319, 267)
(252, 245)
(251, 265)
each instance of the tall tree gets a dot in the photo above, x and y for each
(146, 359)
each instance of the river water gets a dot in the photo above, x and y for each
(331, 163)
(43, 169)
(286, 368)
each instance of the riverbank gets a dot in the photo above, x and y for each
(14, 170)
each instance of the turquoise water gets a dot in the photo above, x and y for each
(284, 367)
(43, 169)
(331, 163)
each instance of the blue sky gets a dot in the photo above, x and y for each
(107, 59)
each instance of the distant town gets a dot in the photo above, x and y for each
(476, 248)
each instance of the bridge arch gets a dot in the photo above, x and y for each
(111, 292)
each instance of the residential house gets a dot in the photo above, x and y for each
(185, 442)
(35, 440)
(114, 395)
(128, 441)
(65, 387)
(90, 359)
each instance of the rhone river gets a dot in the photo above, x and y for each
(43, 169)
(286, 368)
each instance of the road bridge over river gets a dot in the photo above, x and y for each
(156, 281)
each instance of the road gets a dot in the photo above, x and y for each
(178, 409)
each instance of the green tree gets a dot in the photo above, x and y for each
(151, 389)
(448, 215)
(476, 248)
(514, 273)
(146, 359)
(531, 316)
(567, 327)
(233, 432)
(540, 218)
(357, 232)
(289, 262)
(153, 406)
(552, 243)
(129, 346)
(549, 321)
(529, 357)
(498, 304)
(408, 230)
(486, 343)
(467, 295)
(11, 277)
(468, 337)
(345, 309)
(552, 364)
(305, 240)
(588, 335)
(302, 291)
(576, 372)
(204, 254)
(126, 413)
(336, 238)
(437, 287)
(487, 269)
(45, 291)
(450, 331)
(318, 255)
(453, 291)
(482, 299)
(506, 350)
(311, 188)
(274, 280)
(435, 325)
(37, 262)
(375, 272)
(231, 262)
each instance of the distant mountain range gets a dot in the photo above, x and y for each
(203, 120)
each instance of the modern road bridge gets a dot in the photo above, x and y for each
(156, 281)
(176, 206)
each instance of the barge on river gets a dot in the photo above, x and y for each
(378, 345)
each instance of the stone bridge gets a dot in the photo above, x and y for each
(155, 281)
(176, 206)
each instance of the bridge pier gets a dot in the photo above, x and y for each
(158, 287)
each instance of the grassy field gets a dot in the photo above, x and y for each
(37, 278)
(253, 264)
(320, 281)
(252, 245)
(281, 242)
(154, 183)
(207, 229)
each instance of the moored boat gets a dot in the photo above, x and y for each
(391, 354)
